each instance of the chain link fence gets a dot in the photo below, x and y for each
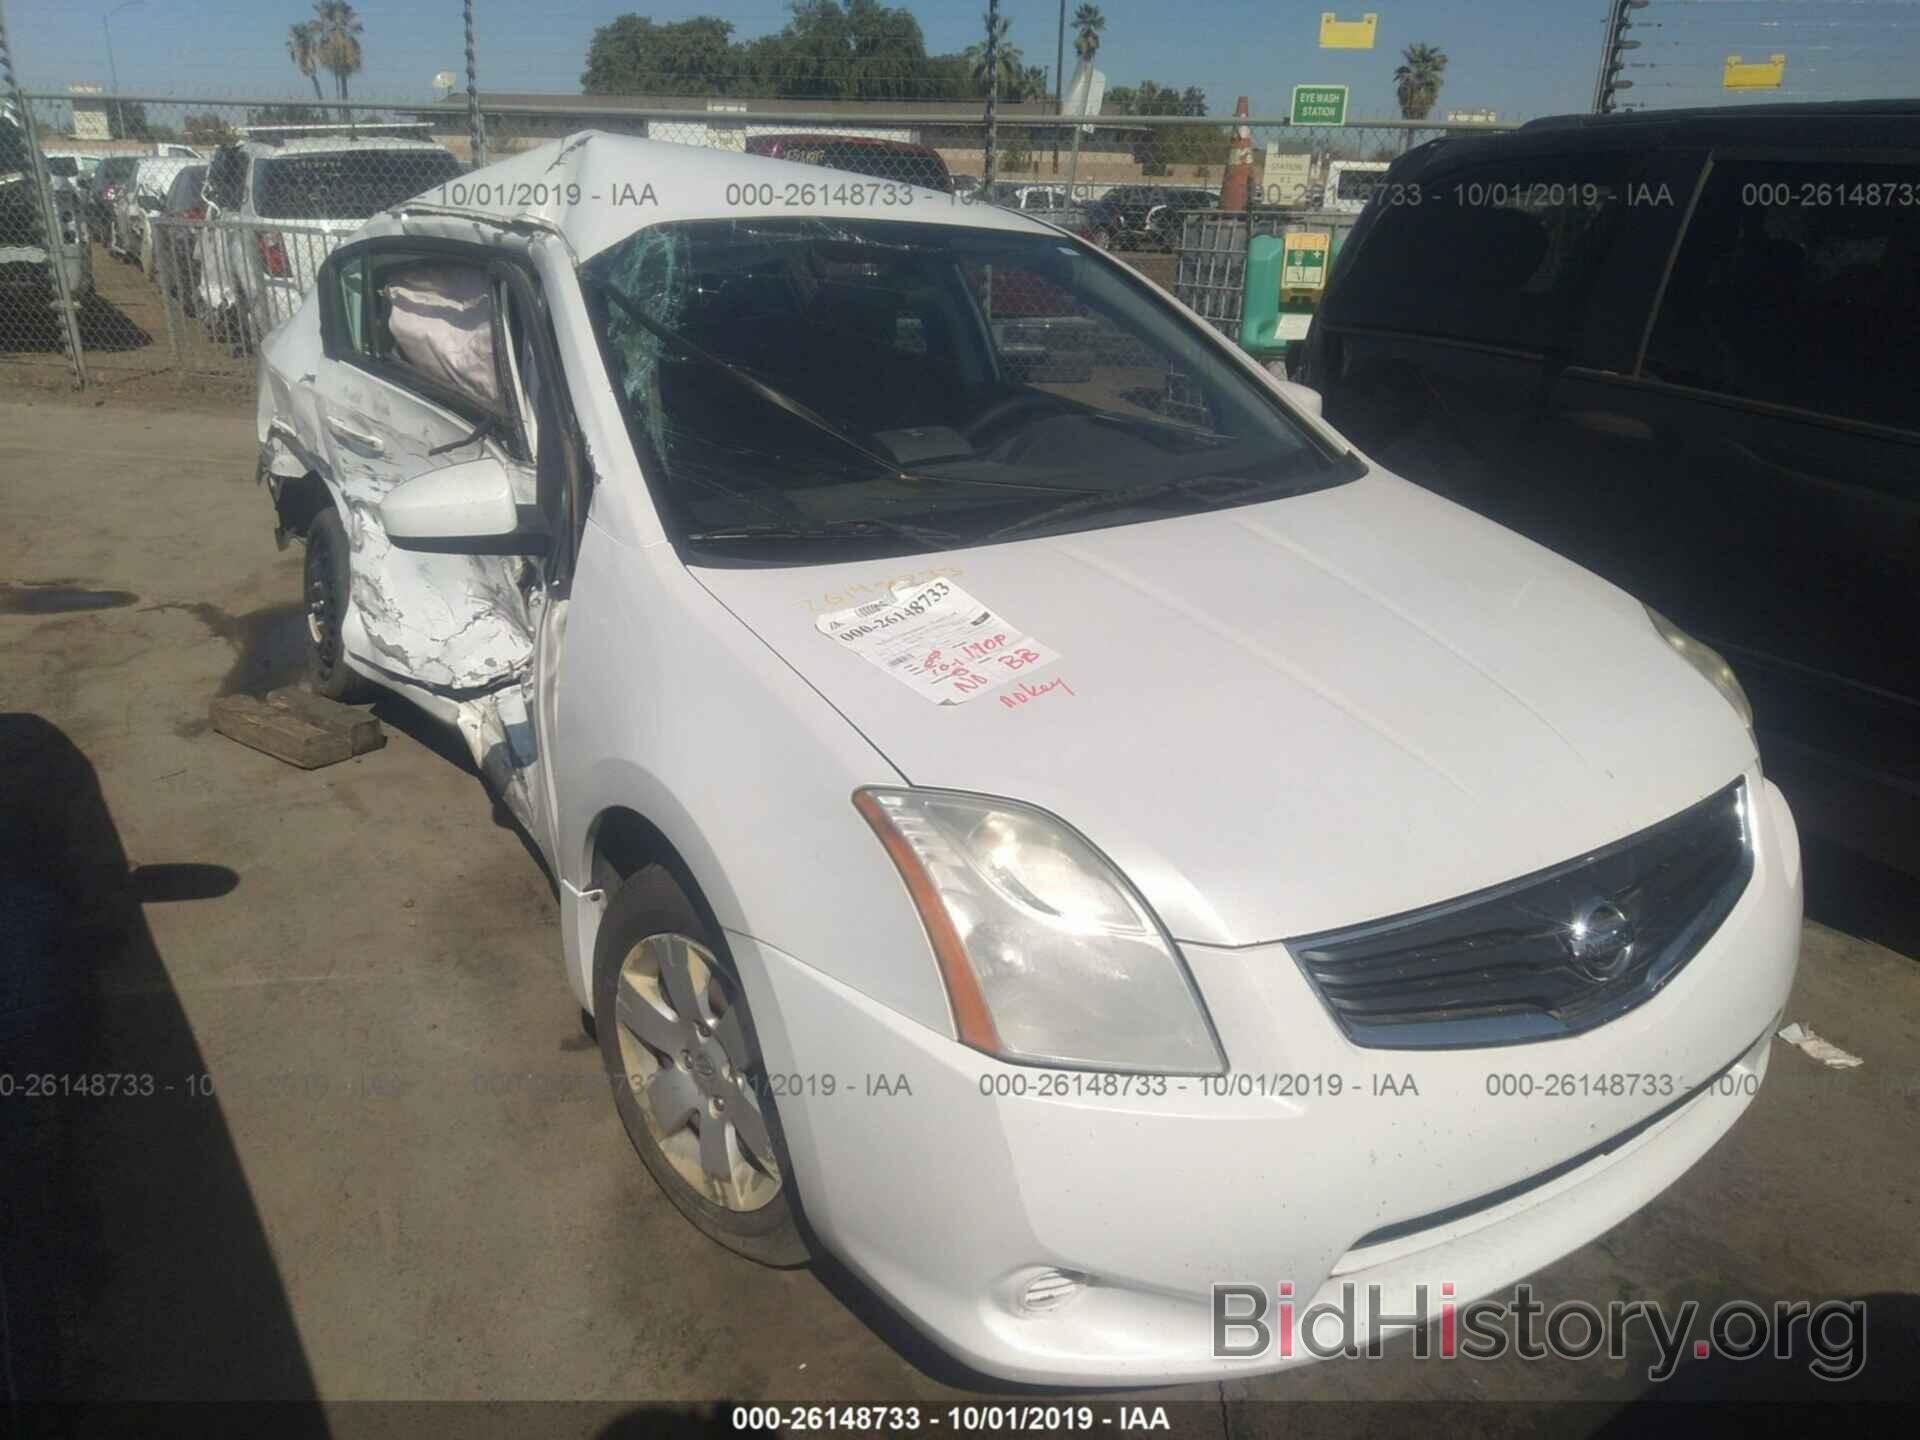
(189, 228)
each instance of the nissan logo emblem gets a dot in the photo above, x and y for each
(1601, 940)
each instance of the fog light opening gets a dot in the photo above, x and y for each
(1050, 1289)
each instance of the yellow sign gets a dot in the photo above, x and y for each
(1753, 75)
(1338, 34)
(1303, 259)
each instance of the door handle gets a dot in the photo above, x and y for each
(371, 443)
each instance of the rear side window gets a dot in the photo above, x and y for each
(227, 178)
(1799, 283)
(1499, 256)
(347, 184)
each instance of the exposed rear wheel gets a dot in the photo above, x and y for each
(327, 583)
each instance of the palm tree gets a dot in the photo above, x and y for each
(303, 48)
(1007, 60)
(1088, 22)
(1417, 81)
(339, 29)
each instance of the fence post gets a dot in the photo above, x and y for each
(476, 126)
(49, 213)
(993, 91)
(166, 268)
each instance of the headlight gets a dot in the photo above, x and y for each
(1048, 954)
(1708, 661)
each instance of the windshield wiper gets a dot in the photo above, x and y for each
(1124, 499)
(740, 375)
(852, 529)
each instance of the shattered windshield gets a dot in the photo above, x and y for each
(793, 383)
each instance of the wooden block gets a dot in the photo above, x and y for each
(300, 728)
(356, 721)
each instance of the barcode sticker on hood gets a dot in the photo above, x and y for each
(938, 641)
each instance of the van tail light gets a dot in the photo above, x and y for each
(273, 253)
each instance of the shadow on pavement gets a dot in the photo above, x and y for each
(1771, 1391)
(35, 328)
(133, 1261)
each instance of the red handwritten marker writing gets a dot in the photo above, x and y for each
(1026, 690)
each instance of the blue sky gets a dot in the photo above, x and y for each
(1520, 57)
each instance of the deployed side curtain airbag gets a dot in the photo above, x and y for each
(441, 320)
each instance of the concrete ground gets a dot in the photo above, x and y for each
(376, 1161)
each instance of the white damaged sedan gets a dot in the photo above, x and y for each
(1036, 813)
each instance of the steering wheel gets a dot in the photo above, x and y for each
(996, 415)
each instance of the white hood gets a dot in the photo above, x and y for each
(1293, 716)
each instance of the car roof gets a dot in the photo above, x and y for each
(863, 142)
(336, 144)
(1809, 125)
(624, 184)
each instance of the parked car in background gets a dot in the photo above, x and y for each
(173, 237)
(861, 155)
(275, 207)
(1678, 347)
(111, 176)
(1142, 217)
(142, 196)
(27, 253)
(64, 172)
(974, 792)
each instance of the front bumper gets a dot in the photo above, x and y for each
(952, 1182)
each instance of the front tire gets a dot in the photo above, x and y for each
(688, 1080)
(327, 584)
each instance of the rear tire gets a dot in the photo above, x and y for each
(687, 1078)
(326, 588)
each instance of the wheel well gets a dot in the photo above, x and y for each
(296, 502)
(624, 842)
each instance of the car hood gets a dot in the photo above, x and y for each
(1291, 716)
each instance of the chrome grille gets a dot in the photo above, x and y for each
(1548, 955)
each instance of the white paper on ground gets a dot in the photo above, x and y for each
(938, 641)
(1825, 1051)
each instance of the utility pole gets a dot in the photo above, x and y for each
(993, 91)
(1612, 54)
(476, 126)
(1059, 80)
(113, 75)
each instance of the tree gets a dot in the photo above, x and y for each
(1088, 22)
(1417, 82)
(209, 130)
(634, 56)
(339, 28)
(1158, 150)
(303, 48)
(860, 50)
(127, 120)
(286, 115)
(1006, 57)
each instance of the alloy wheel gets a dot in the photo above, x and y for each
(693, 1069)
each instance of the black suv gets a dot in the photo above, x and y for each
(1143, 217)
(1682, 349)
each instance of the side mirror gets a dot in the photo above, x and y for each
(469, 502)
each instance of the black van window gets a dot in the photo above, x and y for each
(1496, 256)
(227, 177)
(1799, 283)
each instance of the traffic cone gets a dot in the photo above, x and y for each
(1238, 180)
